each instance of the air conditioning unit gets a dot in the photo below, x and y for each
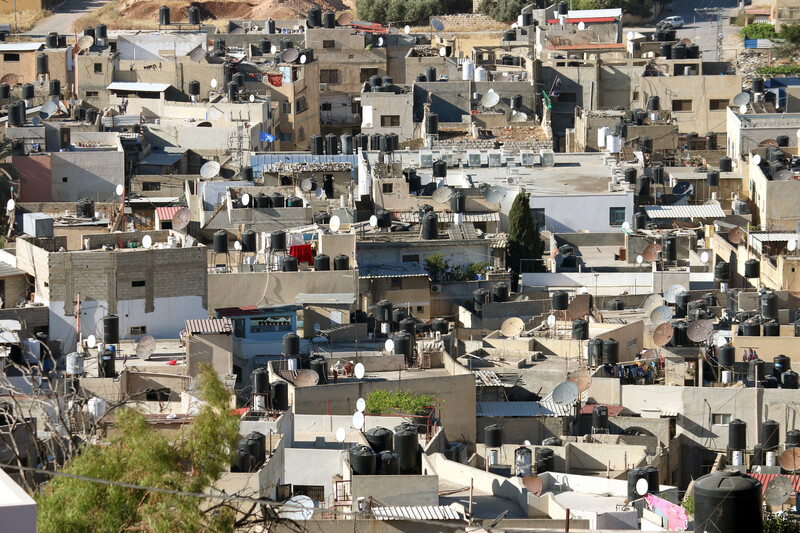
(436, 288)
(323, 86)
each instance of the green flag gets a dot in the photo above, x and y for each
(547, 101)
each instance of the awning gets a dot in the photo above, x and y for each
(344, 298)
(427, 512)
(209, 325)
(137, 86)
(684, 211)
(166, 213)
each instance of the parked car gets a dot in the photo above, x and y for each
(675, 22)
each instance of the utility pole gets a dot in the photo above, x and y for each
(707, 12)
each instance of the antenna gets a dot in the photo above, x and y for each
(306, 184)
(290, 55)
(388, 345)
(437, 25)
(48, 109)
(306, 378)
(741, 99)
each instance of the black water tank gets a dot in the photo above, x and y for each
(5, 91)
(755, 370)
(55, 87)
(430, 74)
(493, 436)
(264, 47)
(101, 31)
(752, 268)
(653, 103)
(681, 303)
(666, 50)
(679, 334)
(771, 329)
(194, 15)
(646, 145)
(233, 90)
(347, 143)
(409, 325)
(780, 364)
(527, 19)
(793, 438)
(314, 17)
(88, 30)
(404, 345)
(634, 475)
(600, 417)
(194, 88)
(670, 249)
(320, 366)
(722, 271)
(758, 85)
(432, 124)
(610, 352)
(110, 329)
(322, 262)
(291, 344)
(51, 40)
(630, 175)
(27, 91)
(710, 300)
(341, 262)
(41, 64)
(726, 356)
(388, 463)
(106, 363)
(439, 169)
(595, 352)
(479, 297)
(770, 434)
(678, 50)
(421, 78)
(384, 311)
(789, 379)
(379, 439)
(261, 442)
(430, 227)
(294, 201)
(545, 460)
(329, 19)
(16, 114)
(440, 325)
(516, 102)
(280, 395)
(643, 186)
(712, 178)
(362, 141)
(458, 202)
(737, 434)
(322, 217)
(406, 443)
(277, 240)
(220, 245)
(362, 460)
(289, 264)
(653, 484)
(560, 301)
(750, 328)
(384, 218)
(249, 241)
(317, 144)
(563, 8)
(259, 380)
(783, 140)
(725, 164)
(769, 305)
(500, 292)
(332, 144)
(243, 461)
(580, 330)
(238, 78)
(770, 382)
(163, 16)
(277, 200)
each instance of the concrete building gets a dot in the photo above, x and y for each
(783, 12)
(746, 132)
(17, 509)
(18, 65)
(135, 283)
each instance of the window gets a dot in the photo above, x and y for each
(151, 186)
(717, 105)
(367, 72)
(329, 76)
(720, 419)
(238, 328)
(138, 330)
(390, 121)
(286, 107)
(411, 258)
(98, 68)
(355, 107)
(616, 216)
(420, 309)
(568, 97)
(327, 106)
(271, 324)
(538, 216)
(64, 179)
(11, 58)
(397, 283)
(387, 188)
(286, 137)
(328, 44)
(92, 94)
(302, 105)
(681, 105)
(137, 283)
(635, 95)
(301, 134)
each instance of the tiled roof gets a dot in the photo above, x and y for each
(166, 213)
(209, 325)
(392, 270)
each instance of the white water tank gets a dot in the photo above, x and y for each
(736, 459)
(492, 457)
(74, 364)
(386, 328)
(480, 74)
(613, 144)
(602, 133)
(727, 377)
(97, 407)
(468, 70)
(292, 362)
(770, 458)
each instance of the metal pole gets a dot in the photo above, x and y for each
(471, 483)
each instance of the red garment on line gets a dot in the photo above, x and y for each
(302, 252)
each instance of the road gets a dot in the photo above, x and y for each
(64, 15)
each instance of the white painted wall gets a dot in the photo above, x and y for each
(616, 282)
(17, 509)
(92, 174)
(150, 46)
(312, 466)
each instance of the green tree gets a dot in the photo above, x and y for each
(436, 265)
(140, 455)
(762, 30)
(524, 241)
(790, 32)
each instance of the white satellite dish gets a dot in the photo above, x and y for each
(756, 159)
(147, 241)
(91, 341)
(798, 134)
(237, 245)
(743, 109)
(340, 434)
(704, 257)
(359, 371)
(630, 35)
(407, 29)
(526, 442)
(639, 259)
(373, 221)
(252, 98)
(299, 507)
(361, 405)
(551, 320)
(581, 26)
(213, 83)
(210, 170)
(626, 226)
(358, 420)
(389, 345)
(335, 223)
(120, 189)
(792, 245)
(10, 205)
(273, 49)
(442, 51)
(641, 486)
(245, 199)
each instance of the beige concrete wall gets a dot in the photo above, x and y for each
(215, 350)
(405, 491)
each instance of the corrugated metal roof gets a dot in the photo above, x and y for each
(326, 298)
(684, 211)
(427, 512)
(757, 240)
(766, 478)
(20, 47)
(521, 409)
(392, 270)
(7, 270)
(209, 325)
(613, 410)
(161, 159)
(413, 217)
(166, 213)
(138, 86)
